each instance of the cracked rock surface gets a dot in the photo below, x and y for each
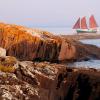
(47, 81)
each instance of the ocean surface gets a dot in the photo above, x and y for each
(92, 41)
(86, 64)
(58, 30)
(91, 63)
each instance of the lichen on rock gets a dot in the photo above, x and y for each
(8, 64)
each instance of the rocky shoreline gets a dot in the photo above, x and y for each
(26, 80)
(32, 66)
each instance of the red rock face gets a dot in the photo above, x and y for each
(23, 45)
(28, 44)
(67, 51)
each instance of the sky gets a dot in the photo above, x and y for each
(37, 13)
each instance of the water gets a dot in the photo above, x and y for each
(59, 30)
(91, 63)
(92, 41)
(65, 31)
(86, 64)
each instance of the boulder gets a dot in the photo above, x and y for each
(67, 52)
(2, 52)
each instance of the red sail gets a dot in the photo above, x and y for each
(77, 24)
(92, 22)
(83, 23)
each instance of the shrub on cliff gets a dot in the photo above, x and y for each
(7, 68)
(7, 64)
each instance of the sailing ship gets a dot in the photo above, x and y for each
(81, 25)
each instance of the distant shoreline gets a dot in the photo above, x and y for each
(82, 36)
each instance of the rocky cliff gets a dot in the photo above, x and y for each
(28, 44)
(31, 44)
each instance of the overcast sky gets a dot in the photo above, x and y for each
(47, 12)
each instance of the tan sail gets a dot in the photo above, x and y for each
(83, 23)
(92, 22)
(77, 24)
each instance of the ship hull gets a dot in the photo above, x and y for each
(86, 31)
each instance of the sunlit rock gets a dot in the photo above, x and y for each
(2, 52)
